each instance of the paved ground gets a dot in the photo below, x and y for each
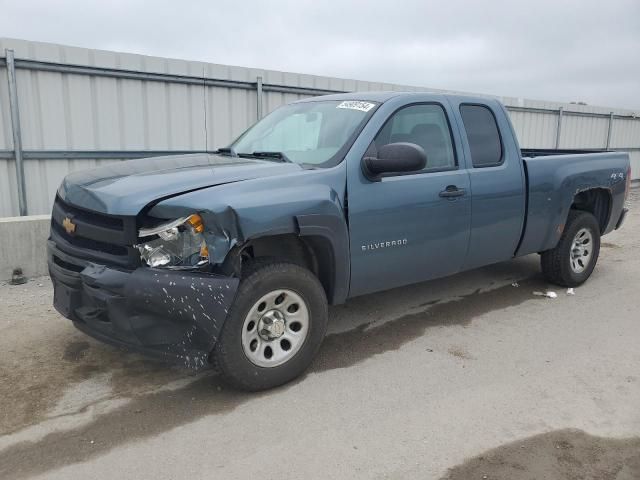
(464, 378)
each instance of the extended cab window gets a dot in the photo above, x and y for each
(483, 135)
(424, 125)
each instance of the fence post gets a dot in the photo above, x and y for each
(259, 97)
(559, 127)
(15, 127)
(609, 130)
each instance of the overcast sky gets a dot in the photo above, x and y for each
(578, 50)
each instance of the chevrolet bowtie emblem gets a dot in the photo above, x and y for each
(68, 225)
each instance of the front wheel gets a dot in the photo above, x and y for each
(274, 328)
(571, 262)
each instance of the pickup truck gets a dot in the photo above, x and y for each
(232, 258)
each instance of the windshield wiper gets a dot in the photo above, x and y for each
(278, 156)
(227, 151)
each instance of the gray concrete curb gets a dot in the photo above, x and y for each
(23, 244)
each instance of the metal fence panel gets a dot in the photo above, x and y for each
(77, 99)
(6, 143)
(8, 189)
(584, 132)
(625, 133)
(535, 130)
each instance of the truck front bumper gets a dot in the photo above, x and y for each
(174, 315)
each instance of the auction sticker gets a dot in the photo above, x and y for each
(356, 105)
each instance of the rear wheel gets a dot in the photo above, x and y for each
(571, 262)
(274, 328)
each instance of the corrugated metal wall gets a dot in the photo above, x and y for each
(119, 109)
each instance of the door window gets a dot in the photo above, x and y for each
(483, 135)
(426, 126)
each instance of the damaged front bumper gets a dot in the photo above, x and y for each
(174, 315)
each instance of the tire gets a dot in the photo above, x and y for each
(263, 284)
(563, 268)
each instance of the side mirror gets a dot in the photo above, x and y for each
(395, 158)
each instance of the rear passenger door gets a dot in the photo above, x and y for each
(497, 181)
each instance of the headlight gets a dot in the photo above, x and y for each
(180, 244)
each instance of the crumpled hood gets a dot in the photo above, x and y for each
(125, 188)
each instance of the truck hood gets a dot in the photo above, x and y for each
(125, 188)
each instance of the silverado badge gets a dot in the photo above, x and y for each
(68, 225)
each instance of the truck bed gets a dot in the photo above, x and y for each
(554, 179)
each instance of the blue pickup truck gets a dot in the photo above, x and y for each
(232, 258)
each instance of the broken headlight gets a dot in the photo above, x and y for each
(176, 244)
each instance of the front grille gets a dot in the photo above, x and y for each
(90, 244)
(98, 237)
(66, 265)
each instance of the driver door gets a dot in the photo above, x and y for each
(410, 227)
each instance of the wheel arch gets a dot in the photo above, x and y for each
(319, 243)
(597, 201)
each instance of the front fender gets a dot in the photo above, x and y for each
(308, 204)
(333, 230)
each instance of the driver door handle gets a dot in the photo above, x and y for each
(452, 191)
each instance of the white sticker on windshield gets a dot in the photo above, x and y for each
(356, 105)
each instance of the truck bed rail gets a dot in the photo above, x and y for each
(543, 152)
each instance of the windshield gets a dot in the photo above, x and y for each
(314, 134)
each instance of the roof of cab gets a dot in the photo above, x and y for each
(371, 96)
(383, 96)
